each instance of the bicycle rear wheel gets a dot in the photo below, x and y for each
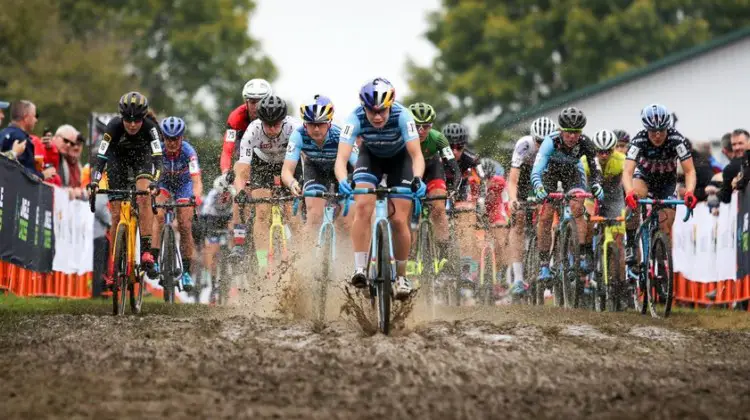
(659, 281)
(530, 272)
(136, 284)
(326, 273)
(572, 287)
(637, 287)
(120, 270)
(385, 277)
(487, 282)
(615, 274)
(167, 267)
(601, 272)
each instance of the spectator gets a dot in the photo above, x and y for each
(18, 147)
(102, 223)
(3, 105)
(51, 155)
(65, 140)
(23, 115)
(703, 170)
(73, 167)
(730, 178)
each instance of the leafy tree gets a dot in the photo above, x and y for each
(513, 54)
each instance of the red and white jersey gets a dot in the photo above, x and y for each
(237, 123)
(525, 152)
(255, 142)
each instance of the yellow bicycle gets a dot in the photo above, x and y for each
(126, 274)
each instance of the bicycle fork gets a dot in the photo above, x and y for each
(276, 225)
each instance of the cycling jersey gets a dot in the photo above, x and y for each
(524, 154)
(236, 125)
(657, 165)
(556, 162)
(614, 167)
(435, 143)
(383, 142)
(179, 169)
(435, 149)
(614, 194)
(216, 213)
(319, 161)
(255, 142)
(466, 163)
(121, 152)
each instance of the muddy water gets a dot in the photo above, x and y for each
(503, 362)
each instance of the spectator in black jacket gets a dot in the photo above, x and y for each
(23, 116)
(730, 179)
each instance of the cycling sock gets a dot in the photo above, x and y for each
(518, 271)
(360, 260)
(544, 258)
(262, 258)
(239, 234)
(185, 265)
(400, 268)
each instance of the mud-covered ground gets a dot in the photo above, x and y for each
(193, 361)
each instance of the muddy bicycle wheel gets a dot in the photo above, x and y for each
(385, 278)
(570, 279)
(167, 257)
(120, 270)
(660, 278)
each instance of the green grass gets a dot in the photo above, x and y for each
(13, 305)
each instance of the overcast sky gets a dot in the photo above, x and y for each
(332, 47)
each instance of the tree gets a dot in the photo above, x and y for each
(185, 53)
(42, 62)
(513, 54)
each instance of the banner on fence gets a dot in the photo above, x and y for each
(26, 224)
(743, 235)
(704, 249)
(74, 235)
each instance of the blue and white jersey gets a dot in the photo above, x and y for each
(555, 157)
(382, 142)
(301, 142)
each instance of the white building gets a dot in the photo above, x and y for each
(707, 87)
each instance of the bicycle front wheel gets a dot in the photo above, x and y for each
(601, 271)
(572, 286)
(136, 284)
(167, 264)
(426, 259)
(535, 294)
(385, 274)
(615, 276)
(659, 279)
(120, 270)
(326, 272)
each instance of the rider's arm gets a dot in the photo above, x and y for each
(686, 159)
(347, 138)
(513, 176)
(242, 166)
(156, 154)
(595, 169)
(291, 158)
(540, 163)
(411, 137)
(195, 174)
(519, 154)
(449, 162)
(630, 163)
(227, 149)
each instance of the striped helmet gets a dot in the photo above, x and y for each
(319, 110)
(655, 117)
(542, 127)
(133, 106)
(605, 140)
(173, 126)
(377, 94)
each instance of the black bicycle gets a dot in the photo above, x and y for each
(170, 259)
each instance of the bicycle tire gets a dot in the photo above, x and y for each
(136, 296)
(487, 282)
(426, 260)
(385, 277)
(167, 262)
(223, 278)
(572, 285)
(660, 278)
(601, 272)
(119, 269)
(616, 274)
(326, 273)
(638, 288)
(531, 270)
(556, 282)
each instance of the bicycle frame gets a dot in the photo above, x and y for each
(425, 222)
(608, 225)
(650, 223)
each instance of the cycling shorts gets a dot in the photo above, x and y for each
(397, 168)
(180, 190)
(262, 173)
(659, 187)
(569, 175)
(434, 174)
(124, 161)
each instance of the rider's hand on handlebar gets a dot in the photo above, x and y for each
(345, 187)
(540, 192)
(153, 188)
(418, 187)
(690, 200)
(92, 187)
(295, 189)
(631, 200)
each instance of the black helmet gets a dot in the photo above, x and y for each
(456, 134)
(133, 106)
(271, 109)
(571, 118)
(622, 135)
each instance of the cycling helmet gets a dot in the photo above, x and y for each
(320, 110)
(655, 117)
(605, 140)
(456, 134)
(377, 94)
(423, 113)
(542, 127)
(172, 126)
(571, 118)
(271, 109)
(622, 135)
(133, 106)
(256, 89)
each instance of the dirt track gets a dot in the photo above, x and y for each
(509, 362)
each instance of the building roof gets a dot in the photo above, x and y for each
(505, 121)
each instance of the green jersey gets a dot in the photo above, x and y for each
(435, 144)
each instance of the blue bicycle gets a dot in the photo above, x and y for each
(652, 284)
(327, 244)
(381, 270)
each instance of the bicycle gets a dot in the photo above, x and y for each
(530, 254)
(221, 283)
(326, 244)
(608, 272)
(487, 259)
(654, 281)
(170, 259)
(381, 270)
(126, 273)
(566, 286)
(426, 264)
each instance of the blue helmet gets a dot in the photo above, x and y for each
(172, 126)
(319, 110)
(377, 94)
(656, 117)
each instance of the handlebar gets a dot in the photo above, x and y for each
(568, 196)
(173, 205)
(92, 197)
(662, 203)
(392, 191)
(325, 195)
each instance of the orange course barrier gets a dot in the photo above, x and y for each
(27, 283)
(727, 291)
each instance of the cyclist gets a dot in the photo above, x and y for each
(262, 152)
(240, 118)
(651, 170)
(181, 180)
(558, 159)
(458, 138)
(216, 213)
(132, 142)
(318, 142)
(623, 140)
(519, 183)
(437, 157)
(389, 147)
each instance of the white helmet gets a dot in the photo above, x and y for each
(256, 89)
(542, 127)
(605, 140)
